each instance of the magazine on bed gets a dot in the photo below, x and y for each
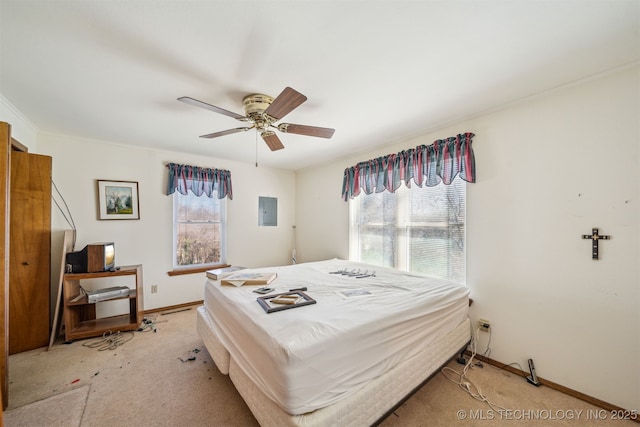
(241, 278)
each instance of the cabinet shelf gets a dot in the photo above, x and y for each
(124, 270)
(80, 315)
(84, 299)
(90, 328)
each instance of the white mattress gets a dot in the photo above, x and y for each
(313, 356)
(370, 403)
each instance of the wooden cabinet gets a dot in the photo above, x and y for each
(30, 252)
(5, 156)
(80, 315)
(25, 236)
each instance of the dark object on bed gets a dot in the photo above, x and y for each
(270, 302)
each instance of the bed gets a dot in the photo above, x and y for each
(373, 337)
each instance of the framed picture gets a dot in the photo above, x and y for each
(284, 301)
(118, 200)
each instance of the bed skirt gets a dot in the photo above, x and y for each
(207, 331)
(363, 408)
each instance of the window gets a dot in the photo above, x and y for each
(199, 230)
(415, 229)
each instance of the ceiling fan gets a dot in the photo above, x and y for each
(262, 112)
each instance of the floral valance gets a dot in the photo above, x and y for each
(426, 165)
(199, 180)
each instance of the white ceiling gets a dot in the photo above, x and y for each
(376, 71)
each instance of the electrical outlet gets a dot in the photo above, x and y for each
(154, 289)
(484, 325)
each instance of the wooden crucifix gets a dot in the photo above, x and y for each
(595, 238)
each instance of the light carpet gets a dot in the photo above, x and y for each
(167, 378)
(64, 409)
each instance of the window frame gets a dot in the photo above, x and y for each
(402, 254)
(194, 268)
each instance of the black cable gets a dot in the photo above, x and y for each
(69, 220)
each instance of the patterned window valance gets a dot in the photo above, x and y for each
(425, 164)
(199, 180)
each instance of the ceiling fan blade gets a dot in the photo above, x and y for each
(284, 103)
(210, 107)
(272, 140)
(306, 130)
(225, 132)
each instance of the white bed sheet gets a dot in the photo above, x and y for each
(310, 357)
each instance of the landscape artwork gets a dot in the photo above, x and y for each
(118, 200)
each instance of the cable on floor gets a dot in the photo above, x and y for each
(463, 381)
(486, 355)
(110, 341)
(149, 324)
(487, 351)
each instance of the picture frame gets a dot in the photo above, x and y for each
(118, 200)
(270, 307)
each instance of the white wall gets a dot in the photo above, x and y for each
(77, 164)
(22, 129)
(549, 169)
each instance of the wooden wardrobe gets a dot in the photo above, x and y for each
(25, 252)
(5, 151)
(29, 251)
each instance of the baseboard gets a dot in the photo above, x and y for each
(178, 307)
(555, 386)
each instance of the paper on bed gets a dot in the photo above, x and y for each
(352, 293)
(308, 358)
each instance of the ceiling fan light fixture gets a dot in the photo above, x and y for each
(255, 104)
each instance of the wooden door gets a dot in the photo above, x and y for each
(30, 251)
(5, 151)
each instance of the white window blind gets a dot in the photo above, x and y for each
(420, 230)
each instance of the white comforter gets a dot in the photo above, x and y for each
(309, 357)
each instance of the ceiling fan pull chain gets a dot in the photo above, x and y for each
(256, 147)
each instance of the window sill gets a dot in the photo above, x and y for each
(194, 270)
